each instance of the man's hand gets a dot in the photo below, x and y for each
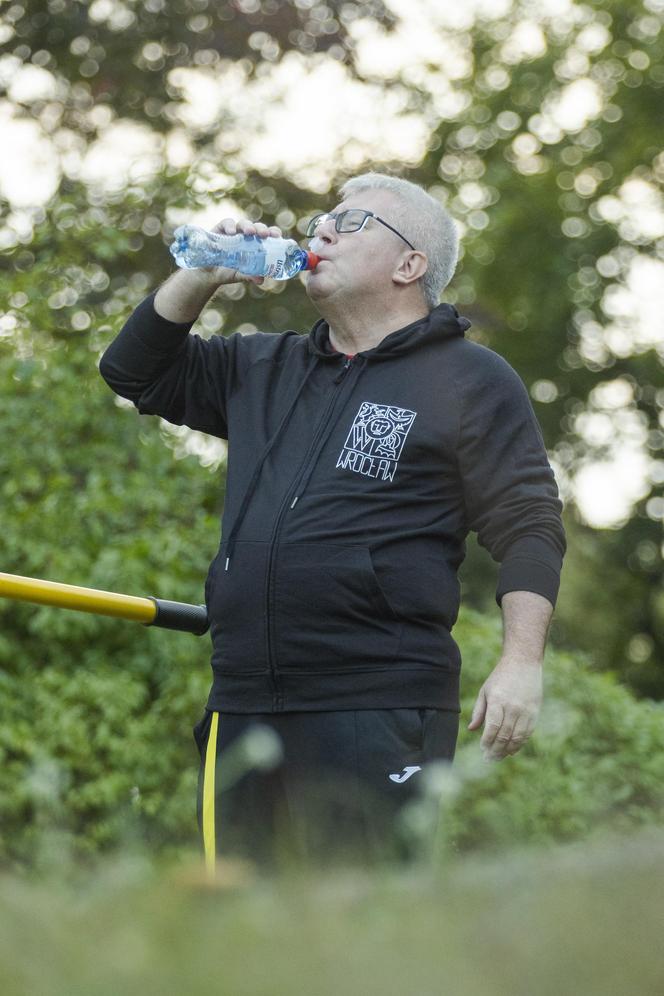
(510, 699)
(229, 226)
(509, 702)
(186, 292)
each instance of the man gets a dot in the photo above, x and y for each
(359, 458)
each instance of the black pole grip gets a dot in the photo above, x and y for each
(181, 616)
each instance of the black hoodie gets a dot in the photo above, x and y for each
(351, 486)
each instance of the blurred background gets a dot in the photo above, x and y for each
(538, 123)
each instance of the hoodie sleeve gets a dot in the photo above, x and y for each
(509, 488)
(165, 371)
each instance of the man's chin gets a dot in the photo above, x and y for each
(314, 287)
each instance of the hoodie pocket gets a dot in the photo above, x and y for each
(236, 607)
(330, 610)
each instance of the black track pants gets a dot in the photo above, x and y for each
(316, 787)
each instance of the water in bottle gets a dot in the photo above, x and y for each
(278, 259)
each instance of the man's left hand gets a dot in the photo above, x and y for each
(508, 702)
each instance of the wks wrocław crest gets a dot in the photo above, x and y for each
(375, 441)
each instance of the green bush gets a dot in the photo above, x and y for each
(95, 739)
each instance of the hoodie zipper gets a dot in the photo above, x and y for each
(286, 506)
(322, 425)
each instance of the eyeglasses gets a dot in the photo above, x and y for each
(352, 220)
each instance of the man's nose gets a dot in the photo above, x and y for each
(326, 230)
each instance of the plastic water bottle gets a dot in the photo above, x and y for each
(278, 259)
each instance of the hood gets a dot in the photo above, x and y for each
(443, 322)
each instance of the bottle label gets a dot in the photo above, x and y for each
(275, 258)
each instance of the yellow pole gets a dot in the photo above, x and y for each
(71, 596)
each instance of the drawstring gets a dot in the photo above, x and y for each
(251, 487)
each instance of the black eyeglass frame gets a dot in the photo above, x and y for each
(316, 220)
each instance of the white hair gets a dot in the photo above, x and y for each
(424, 222)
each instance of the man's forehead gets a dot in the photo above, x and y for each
(369, 199)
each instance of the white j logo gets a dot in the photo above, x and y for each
(410, 770)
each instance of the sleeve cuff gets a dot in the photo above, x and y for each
(523, 574)
(154, 331)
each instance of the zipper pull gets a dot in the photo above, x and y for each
(344, 369)
(295, 501)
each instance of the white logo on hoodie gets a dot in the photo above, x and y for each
(375, 441)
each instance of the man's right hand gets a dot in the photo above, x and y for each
(229, 226)
(186, 292)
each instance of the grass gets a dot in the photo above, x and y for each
(584, 919)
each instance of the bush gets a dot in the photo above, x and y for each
(92, 757)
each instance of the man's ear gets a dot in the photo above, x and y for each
(411, 268)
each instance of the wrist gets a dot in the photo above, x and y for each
(520, 658)
(197, 279)
(184, 295)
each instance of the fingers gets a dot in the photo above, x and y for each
(492, 726)
(507, 737)
(478, 711)
(233, 226)
(241, 226)
(521, 732)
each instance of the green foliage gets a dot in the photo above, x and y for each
(92, 759)
(97, 713)
(121, 55)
